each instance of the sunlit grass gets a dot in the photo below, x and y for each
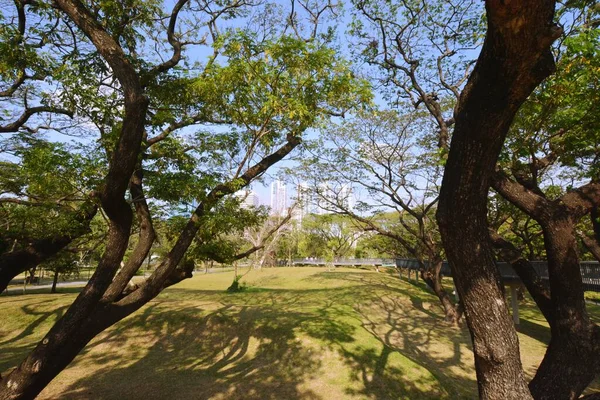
(593, 296)
(296, 333)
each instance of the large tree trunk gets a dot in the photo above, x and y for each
(514, 59)
(572, 359)
(100, 304)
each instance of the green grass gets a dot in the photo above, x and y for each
(593, 296)
(296, 333)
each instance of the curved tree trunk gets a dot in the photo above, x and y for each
(433, 278)
(572, 359)
(514, 59)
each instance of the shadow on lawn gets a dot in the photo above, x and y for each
(394, 323)
(235, 352)
(268, 344)
(390, 322)
(534, 330)
(275, 344)
(13, 353)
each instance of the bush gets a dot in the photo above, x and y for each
(236, 286)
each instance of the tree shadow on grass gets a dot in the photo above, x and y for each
(275, 344)
(534, 330)
(411, 337)
(418, 293)
(42, 316)
(417, 342)
(234, 352)
(15, 348)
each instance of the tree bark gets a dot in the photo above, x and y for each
(514, 59)
(145, 241)
(433, 278)
(572, 358)
(54, 282)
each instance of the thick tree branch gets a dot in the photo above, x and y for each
(154, 284)
(591, 244)
(28, 113)
(38, 250)
(539, 290)
(582, 200)
(173, 41)
(526, 200)
(146, 238)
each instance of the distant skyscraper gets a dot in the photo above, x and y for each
(323, 197)
(304, 202)
(346, 197)
(278, 198)
(247, 197)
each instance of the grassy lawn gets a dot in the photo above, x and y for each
(297, 333)
(593, 296)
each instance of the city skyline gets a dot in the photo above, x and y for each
(307, 199)
(248, 198)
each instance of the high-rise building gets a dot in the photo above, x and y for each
(323, 199)
(346, 197)
(278, 198)
(247, 197)
(304, 202)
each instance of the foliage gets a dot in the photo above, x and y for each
(221, 236)
(208, 119)
(393, 172)
(329, 236)
(65, 263)
(559, 123)
(48, 192)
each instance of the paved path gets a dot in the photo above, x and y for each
(34, 288)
